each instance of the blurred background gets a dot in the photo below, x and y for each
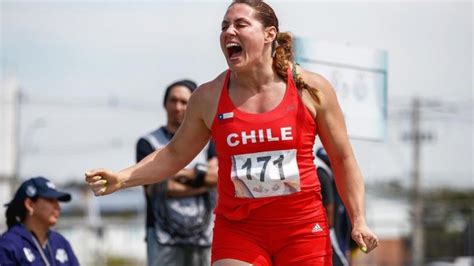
(82, 80)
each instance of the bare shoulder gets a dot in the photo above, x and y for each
(317, 81)
(206, 98)
(208, 90)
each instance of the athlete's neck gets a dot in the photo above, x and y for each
(255, 78)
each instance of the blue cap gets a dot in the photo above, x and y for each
(39, 187)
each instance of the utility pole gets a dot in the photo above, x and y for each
(418, 234)
(9, 117)
(416, 136)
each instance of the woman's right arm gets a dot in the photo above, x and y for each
(188, 141)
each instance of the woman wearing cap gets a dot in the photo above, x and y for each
(30, 215)
(263, 114)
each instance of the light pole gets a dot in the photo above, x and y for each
(417, 136)
(25, 143)
(10, 119)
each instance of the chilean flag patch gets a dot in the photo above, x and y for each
(224, 116)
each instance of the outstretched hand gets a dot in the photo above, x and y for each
(365, 238)
(103, 181)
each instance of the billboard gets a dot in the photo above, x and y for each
(359, 77)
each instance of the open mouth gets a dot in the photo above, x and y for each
(234, 50)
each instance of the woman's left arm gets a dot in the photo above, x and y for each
(333, 134)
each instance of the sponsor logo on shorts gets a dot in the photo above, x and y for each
(317, 228)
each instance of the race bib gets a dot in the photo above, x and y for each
(265, 174)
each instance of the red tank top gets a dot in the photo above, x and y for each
(266, 168)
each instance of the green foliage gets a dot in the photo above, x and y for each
(447, 214)
(121, 261)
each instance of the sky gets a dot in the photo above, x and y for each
(92, 76)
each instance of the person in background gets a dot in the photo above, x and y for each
(263, 114)
(179, 209)
(338, 220)
(30, 215)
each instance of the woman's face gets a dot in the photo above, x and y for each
(46, 211)
(243, 38)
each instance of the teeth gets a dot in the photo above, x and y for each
(232, 44)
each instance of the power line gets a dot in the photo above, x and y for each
(110, 103)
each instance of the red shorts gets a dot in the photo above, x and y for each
(263, 244)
